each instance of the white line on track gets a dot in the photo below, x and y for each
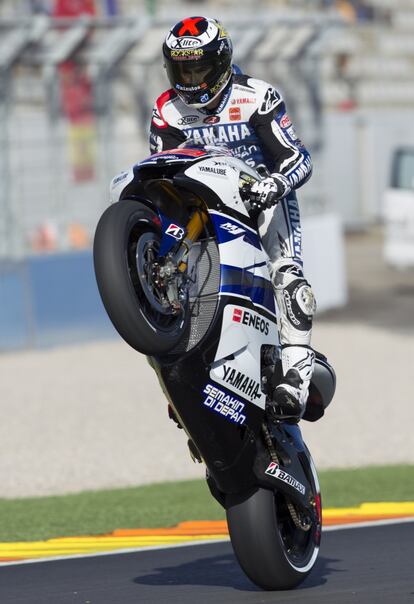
(337, 527)
(367, 524)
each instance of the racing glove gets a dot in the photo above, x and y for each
(267, 192)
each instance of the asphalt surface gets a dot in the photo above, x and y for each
(363, 565)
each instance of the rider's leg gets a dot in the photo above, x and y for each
(280, 231)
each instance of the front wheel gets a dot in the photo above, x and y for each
(271, 549)
(125, 251)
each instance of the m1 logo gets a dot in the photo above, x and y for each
(232, 228)
(173, 230)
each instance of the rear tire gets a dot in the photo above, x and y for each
(127, 300)
(270, 549)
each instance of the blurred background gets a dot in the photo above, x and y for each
(78, 79)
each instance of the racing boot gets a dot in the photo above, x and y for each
(289, 397)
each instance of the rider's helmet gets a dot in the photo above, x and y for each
(197, 56)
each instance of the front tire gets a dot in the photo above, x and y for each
(270, 549)
(127, 230)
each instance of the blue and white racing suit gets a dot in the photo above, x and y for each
(251, 120)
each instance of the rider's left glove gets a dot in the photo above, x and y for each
(267, 192)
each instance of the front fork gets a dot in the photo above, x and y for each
(195, 227)
(176, 264)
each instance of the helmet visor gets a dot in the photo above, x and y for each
(189, 75)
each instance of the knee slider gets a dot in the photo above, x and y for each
(299, 303)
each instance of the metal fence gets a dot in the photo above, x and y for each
(75, 101)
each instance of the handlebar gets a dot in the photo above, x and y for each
(244, 192)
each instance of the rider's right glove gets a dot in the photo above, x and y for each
(266, 193)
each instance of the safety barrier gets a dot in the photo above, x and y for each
(52, 300)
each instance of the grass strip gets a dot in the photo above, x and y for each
(166, 504)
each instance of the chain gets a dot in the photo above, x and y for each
(269, 444)
(300, 524)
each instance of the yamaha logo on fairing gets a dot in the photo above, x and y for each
(224, 404)
(242, 382)
(274, 470)
(251, 320)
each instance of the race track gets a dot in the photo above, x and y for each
(360, 565)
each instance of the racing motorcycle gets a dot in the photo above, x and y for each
(184, 279)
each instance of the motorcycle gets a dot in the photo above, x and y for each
(184, 279)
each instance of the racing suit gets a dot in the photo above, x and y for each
(251, 120)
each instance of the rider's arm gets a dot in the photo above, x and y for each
(279, 140)
(163, 135)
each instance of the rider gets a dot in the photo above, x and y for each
(211, 101)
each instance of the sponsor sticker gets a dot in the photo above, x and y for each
(237, 315)
(285, 121)
(173, 230)
(243, 101)
(204, 98)
(185, 120)
(224, 404)
(192, 53)
(228, 133)
(274, 470)
(119, 178)
(302, 171)
(234, 114)
(190, 88)
(211, 119)
(251, 319)
(213, 170)
(187, 42)
(222, 32)
(294, 219)
(292, 133)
